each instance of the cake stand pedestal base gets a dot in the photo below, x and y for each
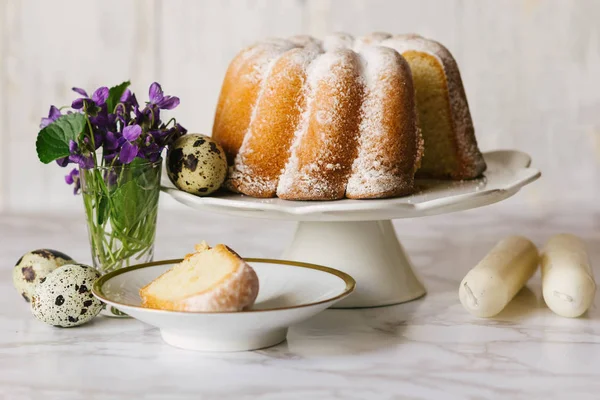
(369, 251)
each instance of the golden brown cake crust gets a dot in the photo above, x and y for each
(265, 149)
(389, 148)
(239, 94)
(323, 152)
(469, 160)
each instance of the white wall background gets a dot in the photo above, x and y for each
(531, 70)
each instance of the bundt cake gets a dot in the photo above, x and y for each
(304, 119)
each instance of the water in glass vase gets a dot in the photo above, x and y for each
(121, 205)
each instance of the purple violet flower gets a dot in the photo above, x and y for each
(158, 99)
(73, 178)
(129, 98)
(99, 97)
(78, 103)
(63, 162)
(111, 141)
(80, 91)
(132, 132)
(53, 115)
(85, 162)
(130, 150)
(109, 157)
(177, 131)
(101, 119)
(126, 96)
(73, 147)
(151, 150)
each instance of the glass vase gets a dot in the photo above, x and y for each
(121, 206)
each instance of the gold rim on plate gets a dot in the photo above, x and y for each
(348, 280)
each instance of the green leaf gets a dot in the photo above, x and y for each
(53, 141)
(102, 211)
(134, 201)
(114, 95)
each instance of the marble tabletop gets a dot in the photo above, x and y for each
(426, 349)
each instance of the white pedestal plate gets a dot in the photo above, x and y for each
(357, 236)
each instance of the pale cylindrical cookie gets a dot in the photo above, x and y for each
(492, 283)
(568, 283)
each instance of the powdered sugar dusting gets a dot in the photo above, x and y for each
(338, 40)
(265, 58)
(305, 179)
(261, 56)
(306, 41)
(290, 173)
(372, 39)
(242, 174)
(371, 177)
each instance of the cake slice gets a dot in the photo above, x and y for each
(208, 280)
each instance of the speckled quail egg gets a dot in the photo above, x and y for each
(65, 298)
(196, 164)
(35, 266)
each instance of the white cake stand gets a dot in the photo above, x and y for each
(357, 236)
